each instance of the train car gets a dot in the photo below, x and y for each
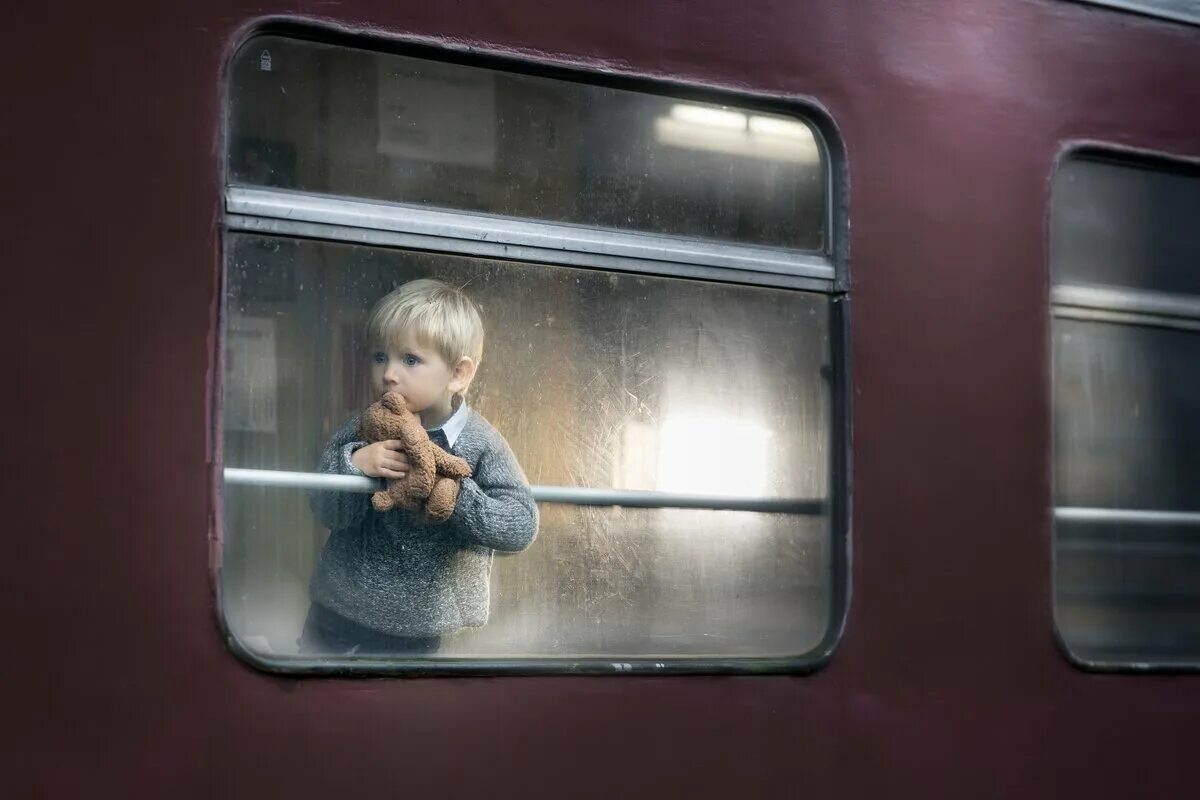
(848, 351)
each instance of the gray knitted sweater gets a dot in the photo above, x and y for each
(395, 573)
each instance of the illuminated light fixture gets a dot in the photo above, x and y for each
(751, 135)
(774, 126)
(710, 117)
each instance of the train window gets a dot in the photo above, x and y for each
(672, 388)
(1126, 349)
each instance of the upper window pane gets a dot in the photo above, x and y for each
(1118, 224)
(335, 120)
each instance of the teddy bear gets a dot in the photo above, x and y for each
(431, 483)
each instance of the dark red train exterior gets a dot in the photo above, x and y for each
(948, 681)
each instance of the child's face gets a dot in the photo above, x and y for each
(416, 371)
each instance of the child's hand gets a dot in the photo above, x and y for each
(381, 460)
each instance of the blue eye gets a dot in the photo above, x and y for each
(379, 358)
(410, 360)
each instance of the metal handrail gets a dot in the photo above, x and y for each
(1126, 306)
(1126, 515)
(572, 495)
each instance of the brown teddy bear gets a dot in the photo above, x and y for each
(431, 482)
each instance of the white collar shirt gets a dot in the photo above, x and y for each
(454, 426)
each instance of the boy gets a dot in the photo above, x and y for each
(390, 582)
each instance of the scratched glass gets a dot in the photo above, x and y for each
(1127, 411)
(336, 120)
(596, 379)
(1127, 436)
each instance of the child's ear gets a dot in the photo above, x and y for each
(461, 375)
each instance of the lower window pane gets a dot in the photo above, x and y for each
(1127, 429)
(596, 379)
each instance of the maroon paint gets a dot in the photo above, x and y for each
(948, 681)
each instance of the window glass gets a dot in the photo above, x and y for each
(1127, 414)
(342, 121)
(1127, 417)
(1120, 224)
(596, 379)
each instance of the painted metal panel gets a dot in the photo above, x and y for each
(948, 682)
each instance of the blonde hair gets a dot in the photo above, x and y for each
(437, 314)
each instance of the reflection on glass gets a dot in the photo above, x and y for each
(596, 379)
(696, 450)
(1125, 224)
(697, 127)
(373, 125)
(1127, 436)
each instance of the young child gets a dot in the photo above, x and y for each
(390, 582)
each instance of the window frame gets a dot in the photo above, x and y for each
(1120, 306)
(1147, 8)
(367, 222)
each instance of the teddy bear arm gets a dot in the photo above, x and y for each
(409, 430)
(451, 466)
